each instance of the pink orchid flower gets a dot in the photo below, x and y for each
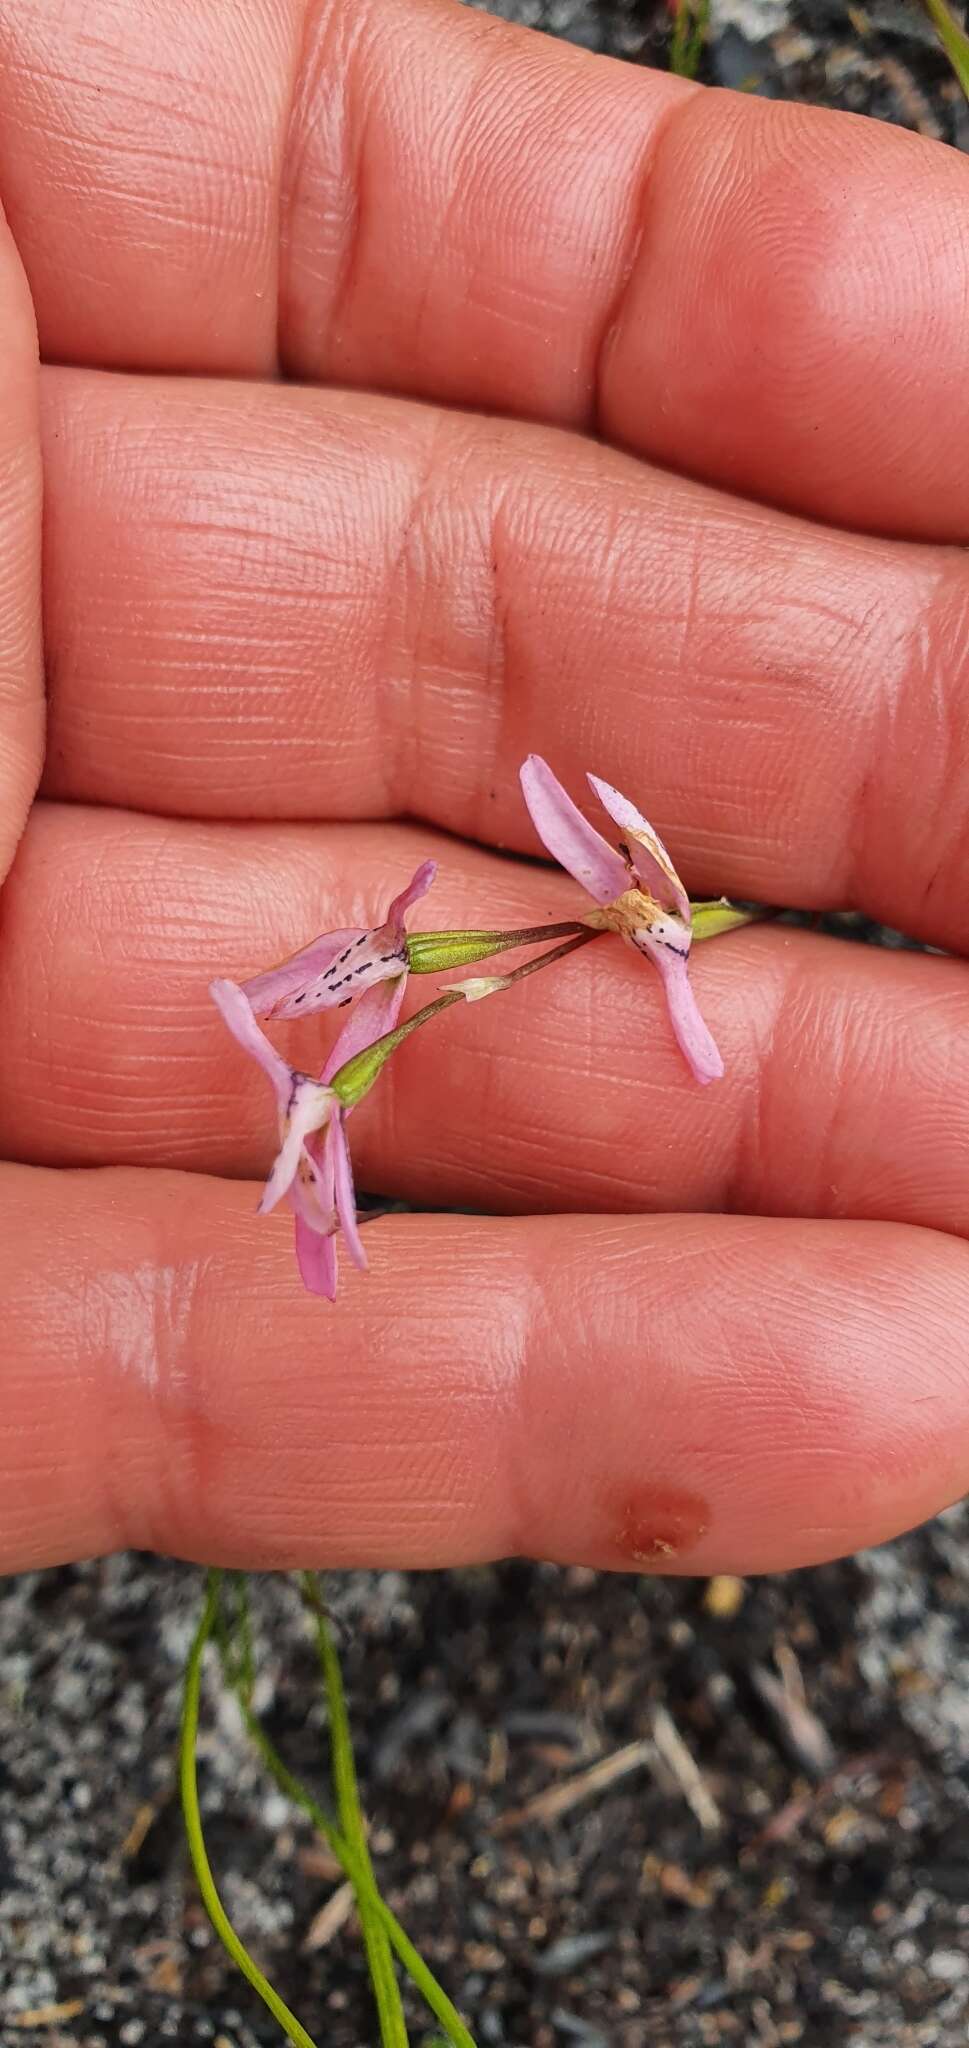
(339, 965)
(638, 891)
(376, 1013)
(312, 1167)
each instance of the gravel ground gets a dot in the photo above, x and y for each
(611, 1811)
(617, 1813)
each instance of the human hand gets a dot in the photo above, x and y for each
(281, 617)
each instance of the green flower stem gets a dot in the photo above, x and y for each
(689, 35)
(954, 40)
(422, 1977)
(352, 1081)
(583, 937)
(438, 952)
(357, 1075)
(390, 2011)
(193, 1828)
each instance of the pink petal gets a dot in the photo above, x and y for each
(691, 1033)
(343, 1182)
(416, 888)
(236, 1012)
(372, 958)
(311, 1193)
(309, 1108)
(651, 860)
(316, 1259)
(574, 843)
(339, 965)
(376, 1012)
(312, 1197)
(295, 977)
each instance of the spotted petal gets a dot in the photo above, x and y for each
(267, 992)
(340, 965)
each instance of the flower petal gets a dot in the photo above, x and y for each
(692, 1036)
(236, 1012)
(346, 1206)
(310, 1106)
(298, 971)
(652, 862)
(316, 1259)
(376, 1012)
(340, 964)
(311, 1193)
(312, 1197)
(570, 839)
(416, 888)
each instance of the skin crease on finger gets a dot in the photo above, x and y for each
(842, 1094)
(404, 194)
(222, 559)
(776, 1392)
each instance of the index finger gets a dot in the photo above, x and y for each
(406, 195)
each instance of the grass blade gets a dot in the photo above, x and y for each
(423, 1978)
(390, 2011)
(188, 1779)
(688, 37)
(954, 40)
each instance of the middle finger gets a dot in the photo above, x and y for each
(267, 602)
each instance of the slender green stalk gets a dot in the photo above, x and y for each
(358, 1074)
(689, 35)
(247, 1662)
(235, 1650)
(193, 1827)
(423, 1978)
(390, 2011)
(954, 40)
(496, 984)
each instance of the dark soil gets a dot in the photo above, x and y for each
(811, 1886)
(786, 1856)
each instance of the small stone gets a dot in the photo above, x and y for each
(724, 1596)
(947, 1965)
